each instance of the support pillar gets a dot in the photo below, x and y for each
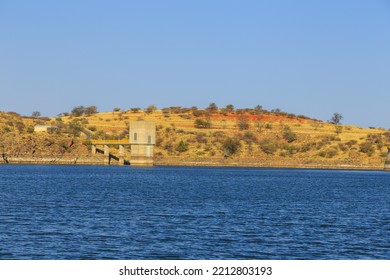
(93, 149)
(387, 162)
(106, 155)
(121, 155)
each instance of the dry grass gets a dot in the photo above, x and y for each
(264, 143)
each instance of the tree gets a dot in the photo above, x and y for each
(36, 114)
(258, 108)
(75, 128)
(336, 120)
(229, 108)
(135, 110)
(78, 111)
(150, 109)
(91, 110)
(212, 108)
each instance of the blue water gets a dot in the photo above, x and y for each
(104, 212)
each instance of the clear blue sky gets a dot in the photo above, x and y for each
(304, 57)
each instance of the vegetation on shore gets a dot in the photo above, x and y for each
(248, 137)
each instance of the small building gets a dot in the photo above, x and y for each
(142, 138)
(45, 128)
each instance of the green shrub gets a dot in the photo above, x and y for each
(182, 147)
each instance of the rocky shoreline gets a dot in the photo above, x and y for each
(93, 160)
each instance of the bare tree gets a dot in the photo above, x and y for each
(336, 120)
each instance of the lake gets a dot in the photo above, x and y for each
(112, 212)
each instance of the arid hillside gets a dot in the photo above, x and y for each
(189, 136)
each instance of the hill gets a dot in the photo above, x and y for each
(189, 136)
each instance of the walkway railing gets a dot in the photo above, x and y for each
(110, 142)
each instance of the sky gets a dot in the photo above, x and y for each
(303, 56)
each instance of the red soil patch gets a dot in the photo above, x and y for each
(254, 118)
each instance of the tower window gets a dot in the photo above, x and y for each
(135, 136)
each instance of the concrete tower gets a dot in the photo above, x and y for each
(142, 138)
(387, 162)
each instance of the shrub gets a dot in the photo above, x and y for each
(343, 147)
(168, 146)
(387, 136)
(200, 123)
(249, 137)
(100, 135)
(185, 116)
(307, 147)
(201, 137)
(6, 129)
(268, 126)
(230, 146)
(75, 128)
(351, 143)
(288, 134)
(198, 113)
(367, 148)
(268, 146)
(243, 123)
(159, 142)
(175, 109)
(290, 149)
(135, 110)
(328, 153)
(182, 147)
(19, 126)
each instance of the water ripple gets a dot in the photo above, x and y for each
(95, 212)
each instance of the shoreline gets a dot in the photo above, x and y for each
(190, 163)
